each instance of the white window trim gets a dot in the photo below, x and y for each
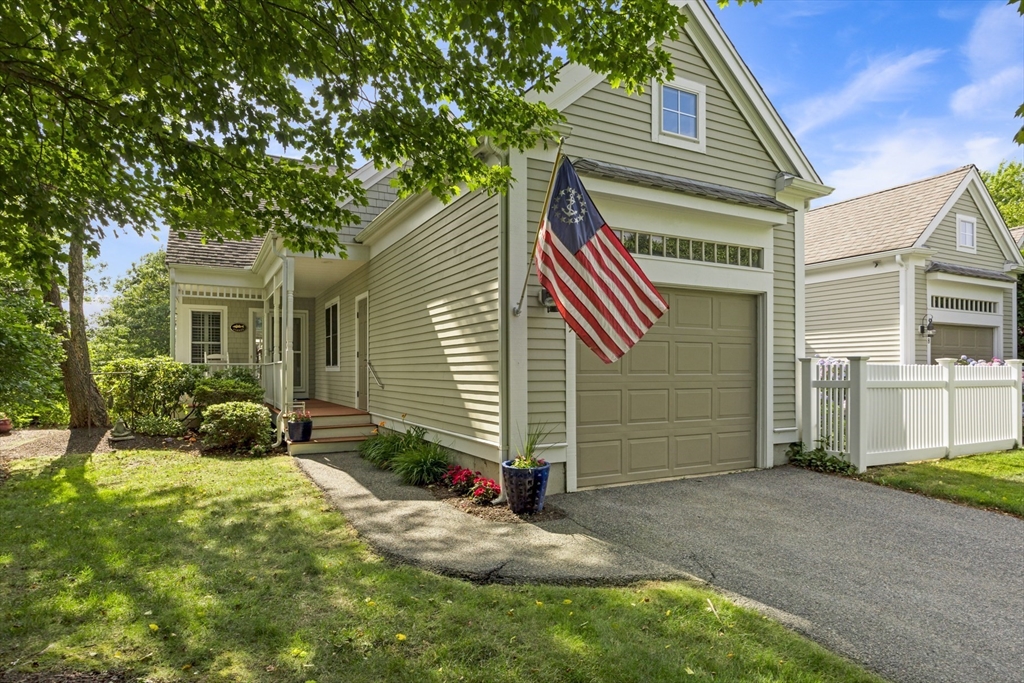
(970, 249)
(183, 331)
(359, 350)
(680, 141)
(336, 301)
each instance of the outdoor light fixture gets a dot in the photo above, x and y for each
(927, 327)
(546, 300)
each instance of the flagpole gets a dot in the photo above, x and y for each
(518, 308)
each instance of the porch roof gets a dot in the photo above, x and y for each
(187, 248)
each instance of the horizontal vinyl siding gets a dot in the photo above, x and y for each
(784, 365)
(338, 386)
(545, 345)
(855, 317)
(943, 240)
(433, 322)
(609, 125)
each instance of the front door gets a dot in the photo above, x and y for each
(299, 361)
(362, 355)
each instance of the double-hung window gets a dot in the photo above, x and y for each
(206, 335)
(966, 233)
(331, 335)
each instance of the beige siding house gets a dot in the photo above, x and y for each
(883, 268)
(703, 183)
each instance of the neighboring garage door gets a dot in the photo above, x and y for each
(682, 401)
(953, 341)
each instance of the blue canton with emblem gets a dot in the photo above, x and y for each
(572, 216)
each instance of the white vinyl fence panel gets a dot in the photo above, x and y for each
(884, 414)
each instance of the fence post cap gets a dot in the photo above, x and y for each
(945, 361)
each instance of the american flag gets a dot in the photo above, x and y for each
(599, 289)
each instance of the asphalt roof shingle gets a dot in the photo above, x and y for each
(191, 251)
(954, 269)
(1018, 235)
(882, 221)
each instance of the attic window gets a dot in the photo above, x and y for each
(966, 233)
(678, 114)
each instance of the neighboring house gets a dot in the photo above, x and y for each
(881, 267)
(703, 181)
(1018, 236)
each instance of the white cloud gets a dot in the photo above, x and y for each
(995, 62)
(884, 79)
(913, 154)
(997, 94)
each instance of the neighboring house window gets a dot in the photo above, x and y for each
(206, 331)
(331, 332)
(966, 233)
(678, 114)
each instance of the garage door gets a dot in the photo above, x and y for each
(682, 401)
(953, 341)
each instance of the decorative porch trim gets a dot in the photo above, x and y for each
(218, 292)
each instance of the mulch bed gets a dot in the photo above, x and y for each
(31, 443)
(66, 677)
(494, 513)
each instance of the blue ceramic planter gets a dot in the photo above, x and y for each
(525, 487)
(299, 432)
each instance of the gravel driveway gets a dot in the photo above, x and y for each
(919, 590)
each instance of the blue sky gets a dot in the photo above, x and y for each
(877, 92)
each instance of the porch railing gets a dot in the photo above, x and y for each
(269, 375)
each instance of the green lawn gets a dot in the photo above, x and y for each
(179, 567)
(993, 481)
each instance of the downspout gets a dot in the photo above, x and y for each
(905, 329)
(285, 328)
(505, 321)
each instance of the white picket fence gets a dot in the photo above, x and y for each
(883, 414)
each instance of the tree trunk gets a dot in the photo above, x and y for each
(84, 400)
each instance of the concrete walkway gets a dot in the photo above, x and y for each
(919, 590)
(407, 524)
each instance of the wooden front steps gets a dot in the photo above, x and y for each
(336, 429)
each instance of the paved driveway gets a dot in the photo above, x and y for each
(919, 590)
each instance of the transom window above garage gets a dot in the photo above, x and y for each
(664, 246)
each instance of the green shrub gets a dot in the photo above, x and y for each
(153, 425)
(818, 460)
(423, 464)
(235, 372)
(238, 426)
(136, 387)
(211, 391)
(382, 448)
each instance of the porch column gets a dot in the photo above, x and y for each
(174, 313)
(288, 288)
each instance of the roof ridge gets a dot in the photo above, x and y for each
(890, 189)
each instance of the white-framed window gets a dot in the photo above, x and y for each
(678, 114)
(966, 233)
(206, 336)
(331, 335)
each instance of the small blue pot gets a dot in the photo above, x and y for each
(525, 487)
(299, 432)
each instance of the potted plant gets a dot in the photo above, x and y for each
(5, 423)
(525, 478)
(300, 426)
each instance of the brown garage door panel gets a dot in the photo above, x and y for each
(682, 401)
(953, 341)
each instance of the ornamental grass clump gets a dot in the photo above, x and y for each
(528, 455)
(423, 464)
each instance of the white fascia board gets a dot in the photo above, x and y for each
(574, 81)
(861, 258)
(795, 191)
(763, 107)
(989, 211)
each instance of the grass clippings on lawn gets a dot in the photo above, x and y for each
(993, 481)
(170, 566)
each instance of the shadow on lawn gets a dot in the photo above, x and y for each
(246, 575)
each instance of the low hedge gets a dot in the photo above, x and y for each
(238, 426)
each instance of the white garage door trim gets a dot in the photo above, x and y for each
(709, 278)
